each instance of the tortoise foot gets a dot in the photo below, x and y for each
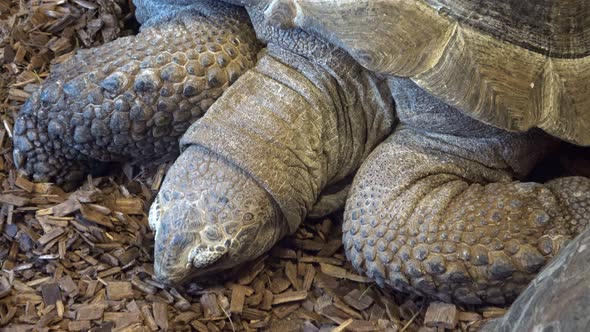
(132, 99)
(413, 225)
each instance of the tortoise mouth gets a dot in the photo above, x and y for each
(185, 257)
(197, 264)
(210, 275)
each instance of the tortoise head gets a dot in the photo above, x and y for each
(210, 216)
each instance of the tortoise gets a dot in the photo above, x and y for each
(437, 109)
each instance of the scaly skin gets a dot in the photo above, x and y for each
(557, 299)
(437, 209)
(266, 149)
(131, 99)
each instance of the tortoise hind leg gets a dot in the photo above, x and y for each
(437, 208)
(131, 99)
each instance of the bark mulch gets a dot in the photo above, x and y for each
(82, 261)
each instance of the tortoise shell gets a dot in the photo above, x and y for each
(513, 64)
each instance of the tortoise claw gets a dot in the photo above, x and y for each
(19, 158)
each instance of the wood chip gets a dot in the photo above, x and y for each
(317, 259)
(468, 316)
(346, 309)
(161, 315)
(358, 300)
(267, 300)
(377, 313)
(362, 326)
(68, 207)
(285, 310)
(119, 290)
(199, 327)
(13, 200)
(309, 276)
(283, 253)
(143, 286)
(68, 285)
(24, 184)
(51, 293)
(130, 206)
(343, 326)
(148, 318)
(310, 245)
(9, 316)
(289, 297)
(339, 272)
(493, 312)
(129, 255)
(122, 319)
(185, 317)
(331, 248)
(81, 325)
(291, 273)
(90, 312)
(253, 314)
(252, 272)
(441, 314)
(210, 305)
(89, 214)
(238, 296)
(279, 284)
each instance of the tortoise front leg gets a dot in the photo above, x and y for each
(437, 209)
(131, 99)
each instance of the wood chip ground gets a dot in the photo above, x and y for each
(82, 261)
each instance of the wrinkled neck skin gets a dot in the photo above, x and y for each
(318, 114)
(363, 109)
